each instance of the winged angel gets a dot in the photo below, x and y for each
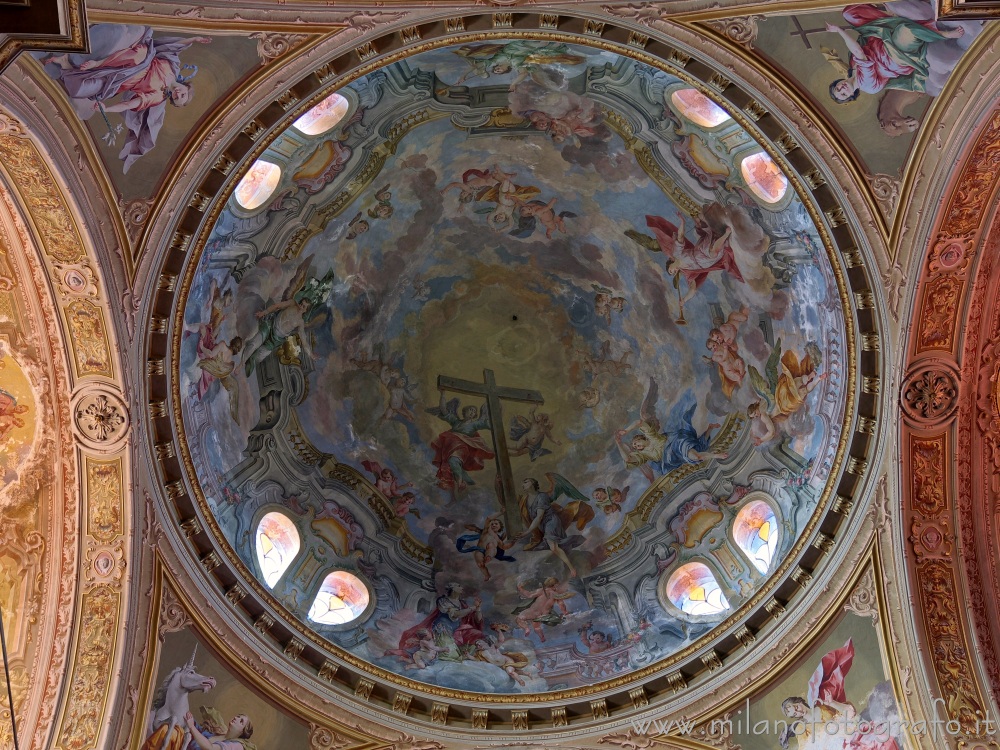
(461, 449)
(789, 380)
(656, 452)
(299, 309)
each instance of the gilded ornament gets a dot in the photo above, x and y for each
(599, 709)
(638, 697)
(745, 637)
(711, 660)
(293, 649)
(950, 255)
(940, 308)
(328, 671)
(263, 623)
(401, 704)
(363, 689)
(236, 594)
(886, 191)
(927, 461)
(104, 499)
(84, 709)
(88, 338)
(173, 617)
(101, 418)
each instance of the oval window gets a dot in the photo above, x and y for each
(756, 533)
(764, 177)
(342, 598)
(258, 184)
(698, 108)
(277, 545)
(693, 589)
(323, 116)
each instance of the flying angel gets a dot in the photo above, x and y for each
(547, 521)
(789, 380)
(656, 452)
(299, 309)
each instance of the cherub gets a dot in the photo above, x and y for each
(544, 213)
(605, 301)
(603, 362)
(384, 208)
(357, 226)
(725, 354)
(404, 503)
(475, 182)
(385, 480)
(550, 595)
(789, 381)
(509, 662)
(588, 398)
(395, 382)
(655, 452)
(610, 499)
(400, 397)
(595, 640)
(490, 543)
(419, 650)
(530, 432)
(508, 198)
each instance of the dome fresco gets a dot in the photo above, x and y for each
(513, 345)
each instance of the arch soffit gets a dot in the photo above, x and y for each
(87, 428)
(948, 398)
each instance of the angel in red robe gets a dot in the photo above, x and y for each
(461, 449)
(694, 261)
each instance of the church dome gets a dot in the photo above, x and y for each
(529, 376)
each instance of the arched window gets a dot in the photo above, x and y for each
(342, 597)
(277, 545)
(756, 533)
(323, 116)
(764, 177)
(698, 108)
(258, 184)
(693, 589)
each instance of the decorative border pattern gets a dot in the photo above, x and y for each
(83, 661)
(865, 365)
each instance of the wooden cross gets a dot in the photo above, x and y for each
(493, 395)
(803, 33)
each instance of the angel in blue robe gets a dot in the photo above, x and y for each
(656, 452)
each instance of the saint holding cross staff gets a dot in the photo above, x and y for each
(462, 449)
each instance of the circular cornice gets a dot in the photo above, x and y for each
(863, 368)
